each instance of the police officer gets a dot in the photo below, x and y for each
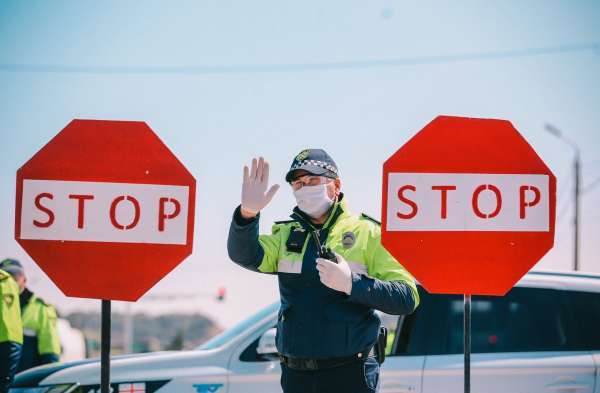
(326, 328)
(41, 344)
(11, 330)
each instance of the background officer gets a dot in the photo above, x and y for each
(11, 330)
(41, 344)
(326, 326)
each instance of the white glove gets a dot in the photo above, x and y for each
(254, 187)
(337, 276)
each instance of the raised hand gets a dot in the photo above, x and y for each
(254, 188)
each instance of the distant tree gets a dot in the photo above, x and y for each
(152, 332)
(177, 342)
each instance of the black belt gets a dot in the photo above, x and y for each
(305, 364)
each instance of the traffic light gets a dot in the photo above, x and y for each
(221, 292)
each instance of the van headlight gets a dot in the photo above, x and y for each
(43, 389)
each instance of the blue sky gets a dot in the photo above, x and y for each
(221, 82)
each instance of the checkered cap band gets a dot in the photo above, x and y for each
(321, 164)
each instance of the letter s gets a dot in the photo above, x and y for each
(49, 212)
(407, 201)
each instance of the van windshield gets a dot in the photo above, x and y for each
(231, 333)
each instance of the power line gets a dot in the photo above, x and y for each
(301, 67)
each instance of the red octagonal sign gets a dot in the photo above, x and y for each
(105, 209)
(468, 206)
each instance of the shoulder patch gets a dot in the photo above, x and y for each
(367, 217)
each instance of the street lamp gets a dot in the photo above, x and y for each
(576, 189)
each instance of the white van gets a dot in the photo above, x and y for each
(543, 336)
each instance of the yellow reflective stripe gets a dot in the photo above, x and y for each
(358, 267)
(285, 266)
(29, 332)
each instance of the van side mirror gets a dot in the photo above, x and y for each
(266, 345)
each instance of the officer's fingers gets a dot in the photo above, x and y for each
(324, 275)
(322, 278)
(253, 169)
(259, 168)
(272, 192)
(246, 174)
(265, 173)
(326, 263)
(325, 269)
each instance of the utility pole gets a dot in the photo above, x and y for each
(576, 189)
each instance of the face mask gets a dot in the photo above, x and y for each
(313, 200)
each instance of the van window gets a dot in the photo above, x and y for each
(585, 307)
(525, 320)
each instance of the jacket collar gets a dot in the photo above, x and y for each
(25, 297)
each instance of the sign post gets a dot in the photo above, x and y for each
(106, 211)
(105, 348)
(467, 342)
(468, 208)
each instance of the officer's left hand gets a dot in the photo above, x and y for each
(336, 276)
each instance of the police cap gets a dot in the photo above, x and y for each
(315, 161)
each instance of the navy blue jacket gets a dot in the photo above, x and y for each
(315, 321)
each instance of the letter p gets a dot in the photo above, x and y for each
(162, 216)
(523, 204)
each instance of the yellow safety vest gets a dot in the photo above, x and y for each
(11, 328)
(39, 320)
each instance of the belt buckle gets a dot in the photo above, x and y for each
(310, 364)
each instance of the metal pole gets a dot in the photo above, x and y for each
(105, 348)
(577, 168)
(467, 343)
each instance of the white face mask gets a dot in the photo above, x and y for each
(313, 200)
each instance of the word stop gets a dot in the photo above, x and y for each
(467, 202)
(104, 212)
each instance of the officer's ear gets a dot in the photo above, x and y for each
(22, 282)
(334, 191)
(338, 186)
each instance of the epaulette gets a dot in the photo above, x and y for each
(284, 222)
(366, 216)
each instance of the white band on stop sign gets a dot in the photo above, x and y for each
(104, 212)
(467, 202)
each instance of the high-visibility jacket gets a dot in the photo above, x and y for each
(41, 343)
(315, 321)
(11, 328)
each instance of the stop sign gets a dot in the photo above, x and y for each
(105, 209)
(468, 206)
